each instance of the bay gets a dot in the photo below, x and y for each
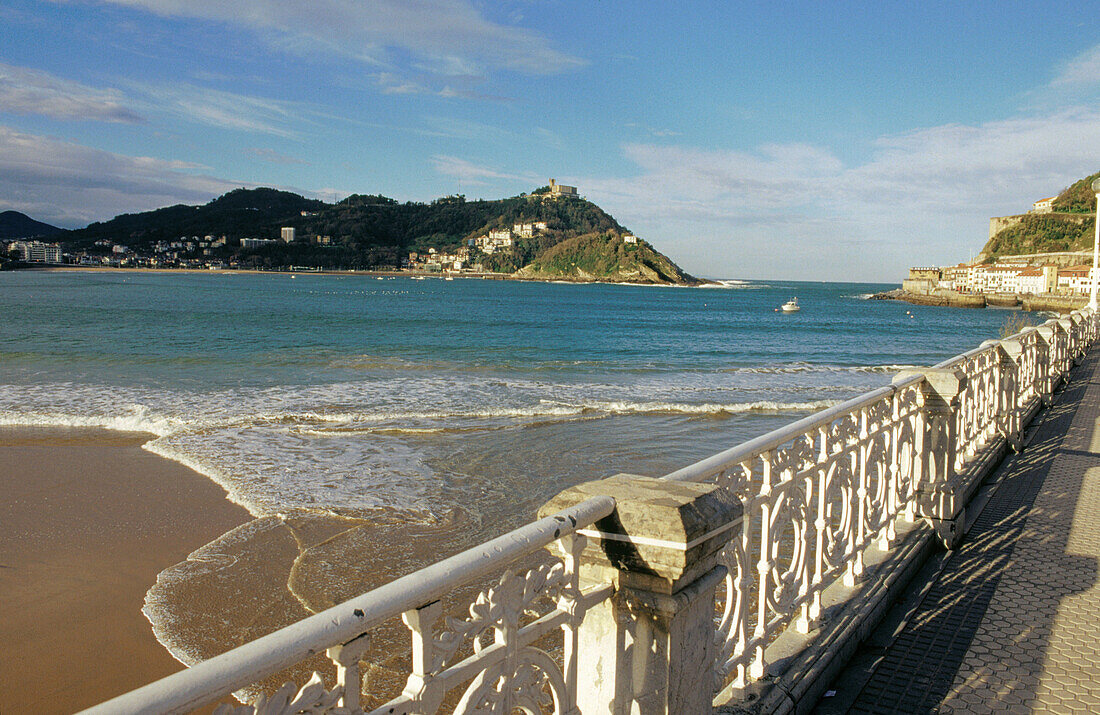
(404, 419)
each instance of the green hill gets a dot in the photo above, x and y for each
(377, 232)
(238, 214)
(14, 225)
(1070, 227)
(605, 257)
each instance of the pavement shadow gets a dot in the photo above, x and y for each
(981, 636)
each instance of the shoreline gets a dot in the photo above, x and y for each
(89, 520)
(367, 273)
(1051, 303)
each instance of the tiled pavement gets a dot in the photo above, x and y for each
(1012, 623)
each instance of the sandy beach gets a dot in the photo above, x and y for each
(87, 521)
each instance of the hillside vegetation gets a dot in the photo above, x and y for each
(1069, 228)
(377, 232)
(1078, 198)
(605, 257)
(18, 225)
(238, 214)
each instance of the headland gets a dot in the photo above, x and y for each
(528, 236)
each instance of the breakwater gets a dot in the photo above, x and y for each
(951, 299)
(945, 299)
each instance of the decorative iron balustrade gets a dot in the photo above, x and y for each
(819, 492)
(832, 483)
(490, 652)
(815, 497)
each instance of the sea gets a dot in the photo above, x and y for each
(425, 415)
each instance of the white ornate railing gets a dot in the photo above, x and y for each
(490, 652)
(818, 493)
(701, 569)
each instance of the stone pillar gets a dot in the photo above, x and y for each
(1047, 376)
(650, 650)
(940, 496)
(1077, 330)
(1009, 412)
(1065, 326)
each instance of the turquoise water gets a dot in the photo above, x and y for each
(418, 417)
(347, 393)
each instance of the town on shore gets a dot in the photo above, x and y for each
(1009, 272)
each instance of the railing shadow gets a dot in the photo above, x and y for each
(999, 595)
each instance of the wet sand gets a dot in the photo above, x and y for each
(87, 521)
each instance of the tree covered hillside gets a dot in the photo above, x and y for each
(1078, 198)
(1070, 227)
(362, 231)
(238, 214)
(605, 256)
(18, 225)
(561, 237)
(362, 221)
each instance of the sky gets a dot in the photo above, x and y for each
(837, 141)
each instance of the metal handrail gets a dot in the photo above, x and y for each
(715, 464)
(212, 679)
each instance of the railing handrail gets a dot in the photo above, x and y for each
(718, 462)
(212, 679)
(961, 357)
(746, 450)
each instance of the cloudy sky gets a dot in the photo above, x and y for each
(814, 140)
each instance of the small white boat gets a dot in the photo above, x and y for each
(791, 306)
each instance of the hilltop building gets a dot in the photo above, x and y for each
(558, 190)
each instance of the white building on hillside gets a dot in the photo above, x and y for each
(1043, 206)
(501, 238)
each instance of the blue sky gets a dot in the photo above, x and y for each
(832, 141)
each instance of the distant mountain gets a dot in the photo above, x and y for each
(18, 225)
(1069, 227)
(241, 213)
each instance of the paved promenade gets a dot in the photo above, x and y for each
(1010, 621)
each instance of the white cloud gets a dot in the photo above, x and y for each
(924, 196)
(69, 184)
(1084, 69)
(274, 157)
(218, 108)
(474, 173)
(30, 91)
(448, 36)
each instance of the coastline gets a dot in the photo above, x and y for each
(89, 519)
(367, 273)
(1052, 303)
